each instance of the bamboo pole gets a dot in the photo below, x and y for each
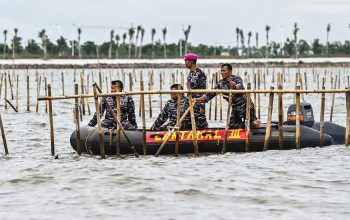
(220, 105)
(305, 80)
(297, 121)
(160, 88)
(216, 102)
(323, 101)
(52, 137)
(45, 94)
(259, 104)
(62, 82)
(3, 136)
(269, 118)
(333, 97)
(118, 117)
(178, 116)
(141, 79)
(149, 96)
(87, 91)
(228, 115)
(247, 121)
(5, 105)
(98, 114)
(17, 91)
(13, 107)
(193, 122)
(280, 117)
(76, 118)
(82, 92)
(143, 116)
(28, 97)
(10, 83)
(38, 94)
(1, 80)
(347, 131)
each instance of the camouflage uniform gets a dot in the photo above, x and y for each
(238, 113)
(198, 80)
(127, 113)
(170, 112)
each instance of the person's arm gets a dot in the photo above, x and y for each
(162, 118)
(208, 96)
(93, 121)
(131, 112)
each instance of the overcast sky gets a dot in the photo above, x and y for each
(212, 21)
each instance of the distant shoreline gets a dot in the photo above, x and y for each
(169, 63)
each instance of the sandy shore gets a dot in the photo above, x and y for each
(167, 63)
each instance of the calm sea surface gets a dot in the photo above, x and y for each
(310, 183)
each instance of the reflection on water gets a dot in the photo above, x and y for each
(307, 183)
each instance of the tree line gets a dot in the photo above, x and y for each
(131, 45)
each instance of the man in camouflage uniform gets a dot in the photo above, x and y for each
(169, 112)
(127, 110)
(197, 80)
(239, 100)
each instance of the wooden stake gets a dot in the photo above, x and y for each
(297, 121)
(228, 116)
(333, 97)
(142, 98)
(5, 90)
(323, 101)
(3, 136)
(17, 92)
(76, 118)
(62, 80)
(160, 88)
(259, 105)
(178, 116)
(247, 121)
(98, 114)
(28, 97)
(45, 94)
(82, 92)
(269, 118)
(11, 90)
(118, 117)
(193, 122)
(280, 118)
(38, 94)
(13, 107)
(347, 132)
(52, 137)
(149, 96)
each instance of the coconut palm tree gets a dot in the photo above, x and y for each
(111, 44)
(124, 40)
(267, 28)
(186, 33)
(295, 33)
(5, 45)
(242, 40)
(131, 36)
(14, 43)
(117, 39)
(328, 30)
(237, 39)
(142, 35)
(249, 36)
(152, 37)
(164, 30)
(79, 48)
(139, 28)
(257, 42)
(43, 37)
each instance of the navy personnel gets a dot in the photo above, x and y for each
(239, 100)
(127, 110)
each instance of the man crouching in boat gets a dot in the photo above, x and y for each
(239, 100)
(170, 112)
(127, 110)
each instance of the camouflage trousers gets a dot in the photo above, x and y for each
(238, 116)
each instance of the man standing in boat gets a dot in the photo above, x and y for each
(239, 100)
(169, 112)
(127, 110)
(197, 80)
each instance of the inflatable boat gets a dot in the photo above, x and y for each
(211, 140)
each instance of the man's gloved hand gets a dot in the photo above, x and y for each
(232, 85)
(153, 128)
(91, 124)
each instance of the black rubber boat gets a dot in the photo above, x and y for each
(211, 140)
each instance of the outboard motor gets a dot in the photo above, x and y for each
(306, 114)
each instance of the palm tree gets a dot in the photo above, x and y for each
(124, 39)
(249, 36)
(295, 33)
(14, 43)
(131, 36)
(79, 49)
(5, 45)
(257, 42)
(117, 39)
(137, 38)
(237, 39)
(164, 30)
(142, 35)
(111, 44)
(242, 40)
(328, 30)
(187, 32)
(152, 37)
(267, 28)
(43, 37)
